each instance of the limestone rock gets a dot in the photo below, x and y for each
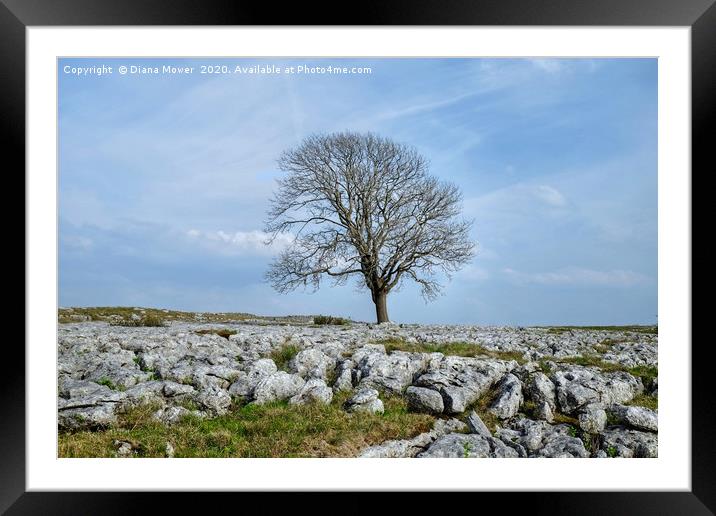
(467, 446)
(592, 418)
(640, 418)
(477, 426)
(421, 399)
(509, 397)
(314, 390)
(365, 400)
(278, 387)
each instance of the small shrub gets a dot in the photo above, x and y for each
(221, 332)
(330, 320)
(611, 451)
(283, 355)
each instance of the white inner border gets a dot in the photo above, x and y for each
(671, 471)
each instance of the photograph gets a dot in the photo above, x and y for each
(396, 257)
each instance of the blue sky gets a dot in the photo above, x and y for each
(164, 182)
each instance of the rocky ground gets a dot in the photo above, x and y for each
(492, 391)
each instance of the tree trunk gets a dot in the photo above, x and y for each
(381, 306)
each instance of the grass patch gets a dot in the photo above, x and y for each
(321, 320)
(221, 332)
(481, 406)
(462, 349)
(560, 418)
(272, 430)
(144, 320)
(606, 345)
(646, 373)
(283, 355)
(644, 400)
(108, 383)
(529, 409)
(546, 366)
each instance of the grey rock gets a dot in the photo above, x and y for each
(277, 387)
(71, 388)
(344, 381)
(477, 426)
(564, 447)
(404, 448)
(314, 390)
(467, 446)
(640, 418)
(311, 363)
(91, 417)
(592, 418)
(244, 385)
(462, 381)
(215, 401)
(365, 400)
(392, 372)
(544, 411)
(579, 386)
(540, 439)
(618, 441)
(540, 390)
(421, 399)
(95, 409)
(169, 450)
(509, 397)
(172, 415)
(124, 448)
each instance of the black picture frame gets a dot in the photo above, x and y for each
(700, 15)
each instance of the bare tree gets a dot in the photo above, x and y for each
(364, 206)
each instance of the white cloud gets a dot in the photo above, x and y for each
(241, 242)
(473, 273)
(78, 242)
(517, 198)
(548, 65)
(550, 195)
(579, 276)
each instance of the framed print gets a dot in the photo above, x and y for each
(268, 257)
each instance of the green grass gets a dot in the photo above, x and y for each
(108, 383)
(272, 430)
(560, 418)
(145, 320)
(606, 345)
(221, 332)
(322, 320)
(646, 373)
(644, 400)
(529, 409)
(283, 355)
(481, 406)
(462, 349)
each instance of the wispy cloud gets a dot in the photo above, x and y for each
(549, 195)
(578, 276)
(473, 273)
(548, 65)
(240, 242)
